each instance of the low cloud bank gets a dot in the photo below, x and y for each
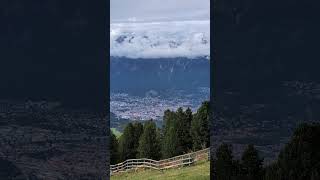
(188, 39)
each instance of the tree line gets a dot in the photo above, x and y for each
(298, 160)
(182, 132)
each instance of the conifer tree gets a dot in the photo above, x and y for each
(149, 146)
(185, 121)
(128, 143)
(167, 120)
(251, 164)
(114, 155)
(182, 132)
(200, 127)
(170, 139)
(300, 157)
(224, 166)
(137, 132)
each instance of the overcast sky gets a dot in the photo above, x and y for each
(153, 10)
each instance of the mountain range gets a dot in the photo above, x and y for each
(144, 88)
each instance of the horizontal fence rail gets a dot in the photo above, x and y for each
(177, 161)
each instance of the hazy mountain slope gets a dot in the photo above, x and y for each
(159, 74)
(144, 88)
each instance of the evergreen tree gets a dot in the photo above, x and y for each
(251, 164)
(182, 128)
(168, 118)
(176, 133)
(137, 132)
(114, 155)
(196, 135)
(170, 143)
(200, 127)
(186, 125)
(299, 159)
(149, 146)
(224, 165)
(128, 143)
(160, 140)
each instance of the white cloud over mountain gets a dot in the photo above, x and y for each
(160, 39)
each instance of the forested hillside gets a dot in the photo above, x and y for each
(182, 132)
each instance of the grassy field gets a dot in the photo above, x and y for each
(199, 171)
(116, 132)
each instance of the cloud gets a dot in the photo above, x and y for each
(160, 39)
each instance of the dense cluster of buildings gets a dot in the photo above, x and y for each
(154, 104)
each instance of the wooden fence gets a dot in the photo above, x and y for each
(177, 161)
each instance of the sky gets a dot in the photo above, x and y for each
(159, 10)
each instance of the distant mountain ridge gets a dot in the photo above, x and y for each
(159, 74)
(143, 88)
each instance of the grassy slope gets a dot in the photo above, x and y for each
(199, 171)
(116, 132)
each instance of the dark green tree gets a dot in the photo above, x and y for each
(128, 142)
(200, 131)
(251, 164)
(160, 139)
(138, 130)
(186, 125)
(170, 143)
(299, 160)
(182, 126)
(168, 119)
(176, 132)
(224, 164)
(149, 145)
(114, 155)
